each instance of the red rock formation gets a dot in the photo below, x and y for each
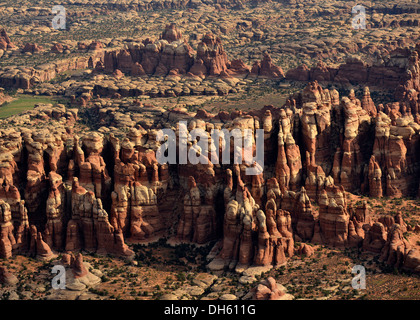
(3, 97)
(38, 248)
(412, 261)
(334, 218)
(55, 211)
(7, 278)
(267, 290)
(143, 203)
(387, 74)
(395, 248)
(368, 104)
(375, 238)
(305, 250)
(356, 120)
(22, 229)
(301, 73)
(352, 71)
(390, 151)
(263, 214)
(289, 164)
(304, 216)
(238, 68)
(171, 56)
(76, 264)
(137, 70)
(210, 51)
(316, 121)
(320, 73)
(198, 221)
(32, 48)
(93, 173)
(243, 222)
(171, 33)
(5, 42)
(57, 48)
(90, 220)
(135, 197)
(95, 46)
(410, 81)
(7, 240)
(266, 68)
(375, 178)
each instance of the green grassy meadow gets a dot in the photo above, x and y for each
(22, 103)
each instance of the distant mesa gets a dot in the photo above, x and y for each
(170, 56)
(170, 52)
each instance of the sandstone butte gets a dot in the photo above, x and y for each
(170, 55)
(65, 192)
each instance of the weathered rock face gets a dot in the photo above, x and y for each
(266, 69)
(289, 164)
(89, 227)
(354, 71)
(156, 58)
(3, 97)
(78, 276)
(304, 218)
(316, 104)
(305, 250)
(28, 77)
(410, 83)
(66, 190)
(172, 56)
(412, 261)
(375, 178)
(321, 73)
(134, 207)
(55, 210)
(5, 42)
(334, 218)
(7, 240)
(375, 238)
(38, 247)
(301, 73)
(238, 68)
(91, 165)
(368, 104)
(390, 166)
(211, 52)
(198, 221)
(268, 289)
(356, 127)
(7, 278)
(32, 48)
(171, 33)
(59, 48)
(395, 248)
(243, 222)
